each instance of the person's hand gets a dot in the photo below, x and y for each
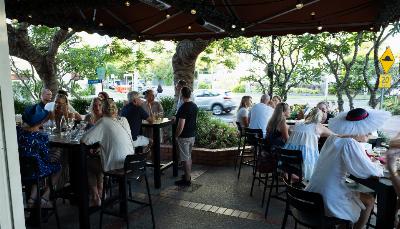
(391, 156)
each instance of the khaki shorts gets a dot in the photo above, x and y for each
(185, 148)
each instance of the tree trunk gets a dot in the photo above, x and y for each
(350, 98)
(184, 60)
(373, 102)
(44, 63)
(340, 101)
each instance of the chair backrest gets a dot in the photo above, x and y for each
(239, 127)
(252, 136)
(290, 162)
(308, 205)
(29, 167)
(135, 163)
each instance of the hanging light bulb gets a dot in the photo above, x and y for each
(299, 5)
(100, 24)
(70, 29)
(189, 27)
(193, 11)
(243, 29)
(319, 27)
(29, 15)
(167, 16)
(312, 13)
(371, 28)
(127, 3)
(233, 26)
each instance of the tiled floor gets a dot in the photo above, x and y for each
(220, 201)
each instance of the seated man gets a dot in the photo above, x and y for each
(345, 155)
(323, 106)
(260, 114)
(134, 113)
(45, 97)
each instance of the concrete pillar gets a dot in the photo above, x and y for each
(11, 206)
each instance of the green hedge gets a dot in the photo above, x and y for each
(213, 133)
(241, 88)
(19, 106)
(300, 90)
(167, 103)
(392, 104)
(203, 85)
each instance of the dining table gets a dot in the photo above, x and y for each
(77, 161)
(156, 126)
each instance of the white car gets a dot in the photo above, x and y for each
(215, 101)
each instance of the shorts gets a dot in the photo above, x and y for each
(185, 146)
(140, 141)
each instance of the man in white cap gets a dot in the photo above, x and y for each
(343, 155)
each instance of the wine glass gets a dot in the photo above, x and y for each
(160, 115)
(53, 126)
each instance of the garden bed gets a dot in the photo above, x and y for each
(203, 156)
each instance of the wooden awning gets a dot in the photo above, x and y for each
(190, 19)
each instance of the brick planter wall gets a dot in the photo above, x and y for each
(204, 156)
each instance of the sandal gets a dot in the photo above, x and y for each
(45, 203)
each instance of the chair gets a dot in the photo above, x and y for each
(251, 137)
(265, 164)
(289, 164)
(307, 209)
(30, 175)
(239, 151)
(134, 170)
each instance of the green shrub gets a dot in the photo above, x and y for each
(167, 103)
(203, 85)
(19, 106)
(213, 133)
(297, 90)
(392, 104)
(119, 104)
(81, 105)
(241, 88)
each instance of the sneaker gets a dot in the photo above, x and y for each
(183, 182)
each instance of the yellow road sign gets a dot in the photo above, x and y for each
(387, 60)
(385, 81)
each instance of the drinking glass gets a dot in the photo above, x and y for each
(53, 126)
(160, 115)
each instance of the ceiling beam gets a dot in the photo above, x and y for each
(161, 22)
(122, 22)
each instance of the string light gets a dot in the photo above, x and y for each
(100, 24)
(167, 15)
(233, 26)
(319, 27)
(243, 29)
(127, 3)
(189, 27)
(29, 15)
(14, 20)
(299, 5)
(371, 28)
(193, 11)
(312, 13)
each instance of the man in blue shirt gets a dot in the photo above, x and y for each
(134, 113)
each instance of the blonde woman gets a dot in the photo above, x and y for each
(305, 137)
(242, 116)
(277, 129)
(276, 99)
(114, 136)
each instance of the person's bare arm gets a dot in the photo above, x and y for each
(179, 128)
(323, 131)
(391, 156)
(284, 131)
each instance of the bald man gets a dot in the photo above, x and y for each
(45, 97)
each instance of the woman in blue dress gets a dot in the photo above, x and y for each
(33, 143)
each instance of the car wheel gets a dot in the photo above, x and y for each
(217, 109)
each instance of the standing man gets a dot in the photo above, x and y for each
(45, 97)
(178, 87)
(185, 134)
(260, 114)
(134, 113)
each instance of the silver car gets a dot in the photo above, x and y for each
(215, 101)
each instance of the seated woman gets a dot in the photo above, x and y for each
(276, 99)
(52, 105)
(32, 143)
(103, 95)
(305, 137)
(150, 105)
(242, 115)
(323, 106)
(277, 129)
(114, 136)
(345, 155)
(61, 111)
(95, 112)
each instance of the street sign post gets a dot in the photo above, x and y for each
(387, 61)
(94, 81)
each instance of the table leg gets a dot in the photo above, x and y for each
(83, 195)
(174, 153)
(156, 157)
(386, 207)
(123, 203)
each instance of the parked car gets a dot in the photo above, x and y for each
(215, 101)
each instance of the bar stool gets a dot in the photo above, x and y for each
(239, 151)
(134, 170)
(30, 175)
(250, 139)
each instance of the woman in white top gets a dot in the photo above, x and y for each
(343, 155)
(305, 137)
(114, 136)
(242, 115)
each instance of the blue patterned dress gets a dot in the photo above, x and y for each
(35, 144)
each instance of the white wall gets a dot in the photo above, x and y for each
(11, 206)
